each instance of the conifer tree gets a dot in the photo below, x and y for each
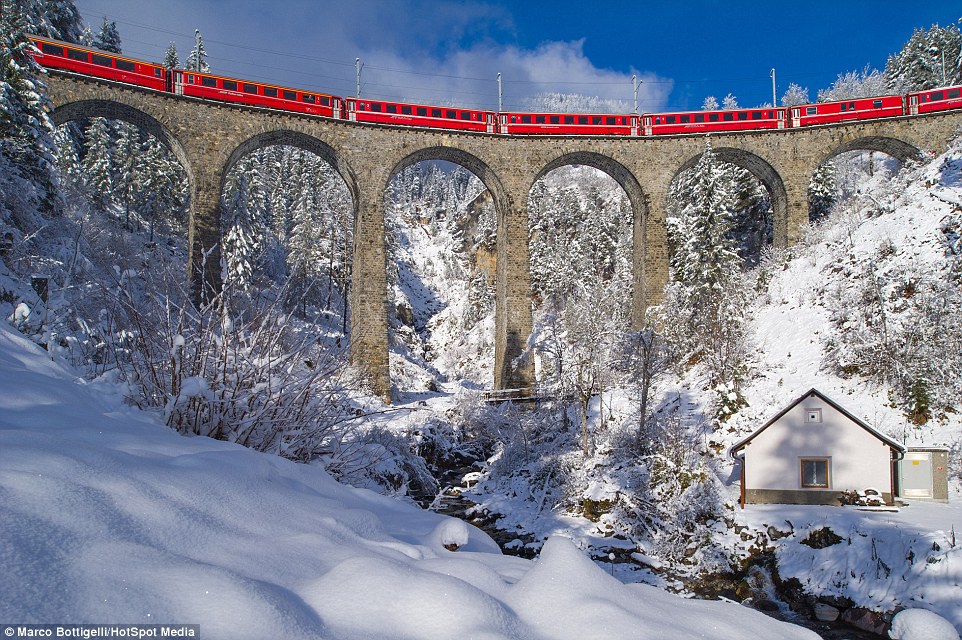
(705, 306)
(171, 61)
(26, 132)
(109, 38)
(97, 163)
(197, 60)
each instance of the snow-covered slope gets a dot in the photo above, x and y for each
(107, 516)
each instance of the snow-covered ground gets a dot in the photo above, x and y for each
(108, 516)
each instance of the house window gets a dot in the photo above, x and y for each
(813, 415)
(814, 473)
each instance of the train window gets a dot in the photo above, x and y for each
(952, 94)
(684, 119)
(811, 111)
(376, 106)
(190, 79)
(713, 117)
(51, 49)
(125, 65)
(525, 119)
(104, 61)
(390, 108)
(451, 113)
(541, 119)
(555, 119)
(669, 119)
(937, 95)
(325, 101)
(270, 92)
(596, 120)
(843, 108)
(465, 115)
(250, 88)
(699, 117)
(290, 95)
(73, 54)
(728, 117)
(208, 82)
(157, 72)
(422, 111)
(876, 104)
(851, 106)
(743, 115)
(230, 85)
(610, 121)
(435, 113)
(406, 110)
(569, 119)
(308, 98)
(582, 119)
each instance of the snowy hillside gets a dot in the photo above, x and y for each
(108, 516)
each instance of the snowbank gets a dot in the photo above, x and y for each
(110, 517)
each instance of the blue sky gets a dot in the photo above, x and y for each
(451, 52)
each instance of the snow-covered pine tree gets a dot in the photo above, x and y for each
(240, 240)
(171, 61)
(26, 132)
(822, 191)
(125, 179)
(197, 60)
(97, 163)
(108, 39)
(705, 305)
(929, 59)
(710, 104)
(730, 102)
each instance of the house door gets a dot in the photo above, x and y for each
(917, 475)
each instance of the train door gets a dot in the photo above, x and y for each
(178, 81)
(634, 125)
(796, 116)
(913, 104)
(647, 122)
(489, 122)
(335, 107)
(351, 108)
(503, 122)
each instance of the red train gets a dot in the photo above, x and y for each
(93, 62)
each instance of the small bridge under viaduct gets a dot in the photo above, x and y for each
(208, 138)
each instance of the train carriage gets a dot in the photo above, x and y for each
(102, 64)
(418, 115)
(213, 87)
(843, 110)
(708, 121)
(934, 100)
(562, 124)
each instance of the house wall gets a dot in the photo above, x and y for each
(857, 459)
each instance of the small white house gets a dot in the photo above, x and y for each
(811, 452)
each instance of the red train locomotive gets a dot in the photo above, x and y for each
(74, 58)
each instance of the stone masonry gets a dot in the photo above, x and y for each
(208, 138)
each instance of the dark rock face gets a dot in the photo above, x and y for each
(822, 538)
(867, 620)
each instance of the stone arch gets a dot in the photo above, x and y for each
(113, 110)
(512, 308)
(765, 173)
(898, 149)
(642, 271)
(303, 141)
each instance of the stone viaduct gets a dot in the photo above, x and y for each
(208, 138)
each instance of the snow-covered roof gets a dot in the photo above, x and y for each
(735, 448)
